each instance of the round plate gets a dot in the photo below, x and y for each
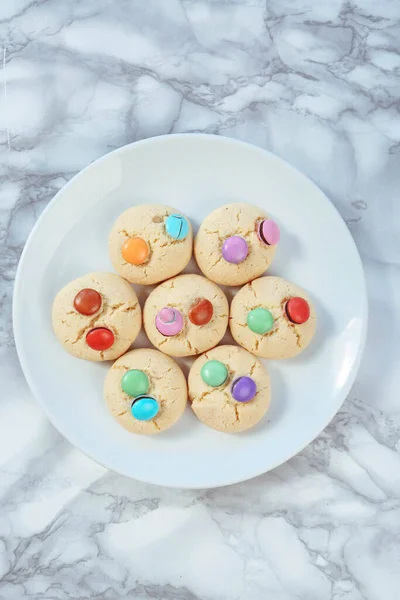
(195, 174)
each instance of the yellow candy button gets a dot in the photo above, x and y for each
(135, 251)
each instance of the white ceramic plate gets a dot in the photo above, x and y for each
(195, 174)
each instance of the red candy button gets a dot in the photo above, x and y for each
(298, 310)
(201, 313)
(87, 302)
(100, 338)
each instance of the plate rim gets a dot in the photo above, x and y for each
(50, 206)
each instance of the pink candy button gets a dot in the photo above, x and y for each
(268, 232)
(169, 321)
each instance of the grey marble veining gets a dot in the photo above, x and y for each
(317, 82)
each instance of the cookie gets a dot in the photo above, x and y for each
(229, 389)
(186, 315)
(150, 243)
(145, 391)
(97, 316)
(272, 318)
(235, 244)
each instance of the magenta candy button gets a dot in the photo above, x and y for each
(235, 249)
(169, 321)
(268, 232)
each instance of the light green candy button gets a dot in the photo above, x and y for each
(214, 373)
(260, 320)
(135, 383)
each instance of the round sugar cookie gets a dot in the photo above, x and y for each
(229, 389)
(97, 316)
(150, 243)
(235, 244)
(186, 315)
(272, 318)
(145, 391)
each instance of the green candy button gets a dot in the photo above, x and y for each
(260, 320)
(214, 373)
(135, 383)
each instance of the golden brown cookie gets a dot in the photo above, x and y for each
(229, 389)
(186, 315)
(150, 243)
(145, 391)
(272, 318)
(235, 244)
(97, 316)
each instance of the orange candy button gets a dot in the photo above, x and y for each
(135, 251)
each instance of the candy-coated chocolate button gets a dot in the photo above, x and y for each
(169, 321)
(235, 249)
(87, 302)
(269, 233)
(144, 408)
(260, 320)
(177, 227)
(243, 389)
(298, 310)
(100, 338)
(135, 383)
(201, 313)
(135, 251)
(214, 373)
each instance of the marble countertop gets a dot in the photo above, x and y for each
(315, 81)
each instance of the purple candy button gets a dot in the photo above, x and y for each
(268, 232)
(169, 321)
(243, 389)
(235, 249)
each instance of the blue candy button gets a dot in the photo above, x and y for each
(177, 227)
(144, 408)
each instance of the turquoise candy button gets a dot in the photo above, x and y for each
(135, 383)
(177, 227)
(144, 408)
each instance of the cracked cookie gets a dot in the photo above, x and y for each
(145, 391)
(186, 315)
(97, 316)
(150, 243)
(229, 389)
(235, 244)
(272, 318)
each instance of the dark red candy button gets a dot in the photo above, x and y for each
(298, 310)
(201, 313)
(100, 338)
(87, 302)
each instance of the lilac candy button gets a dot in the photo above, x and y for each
(268, 232)
(235, 249)
(243, 389)
(169, 321)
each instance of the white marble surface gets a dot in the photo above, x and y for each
(317, 82)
